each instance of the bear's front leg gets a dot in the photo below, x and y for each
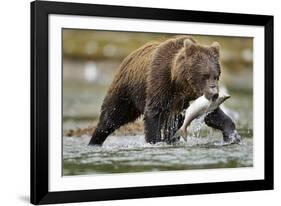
(152, 127)
(171, 125)
(219, 120)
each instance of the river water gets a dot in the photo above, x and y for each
(132, 154)
(203, 149)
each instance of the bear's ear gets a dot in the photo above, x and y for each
(216, 48)
(189, 46)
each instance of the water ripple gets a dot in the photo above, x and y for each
(132, 154)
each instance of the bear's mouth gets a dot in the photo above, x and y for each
(214, 97)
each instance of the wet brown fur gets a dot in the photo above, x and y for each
(157, 80)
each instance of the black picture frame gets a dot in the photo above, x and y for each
(39, 102)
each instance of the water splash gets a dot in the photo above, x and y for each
(196, 126)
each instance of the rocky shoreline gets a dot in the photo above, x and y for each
(135, 128)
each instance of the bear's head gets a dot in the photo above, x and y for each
(196, 70)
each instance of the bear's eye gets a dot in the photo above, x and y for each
(216, 77)
(206, 76)
(181, 58)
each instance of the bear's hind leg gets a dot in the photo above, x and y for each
(111, 119)
(101, 132)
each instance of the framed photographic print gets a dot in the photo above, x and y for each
(133, 102)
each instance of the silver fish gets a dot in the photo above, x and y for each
(199, 107)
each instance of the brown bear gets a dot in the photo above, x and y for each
(158, 80)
